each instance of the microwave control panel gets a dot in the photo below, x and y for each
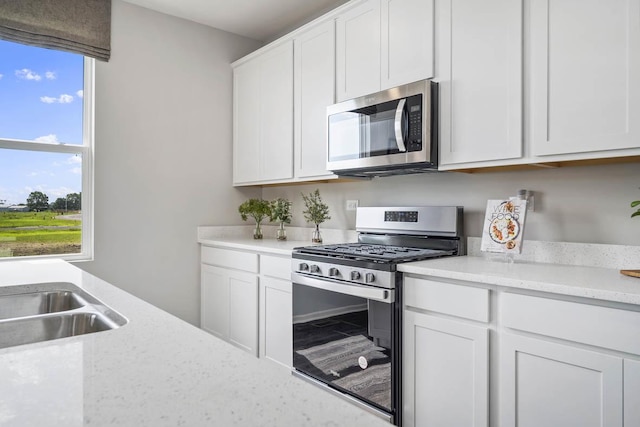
(414, 137)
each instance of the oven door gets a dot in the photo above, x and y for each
(346, 337)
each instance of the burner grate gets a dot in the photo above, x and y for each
(374, 252)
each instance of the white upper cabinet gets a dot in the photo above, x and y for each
(246, 129)
(382, 44)
(406, 41)
(479, 70)
(263, 117)
(358, 51)
(585, 63)
(314, 87)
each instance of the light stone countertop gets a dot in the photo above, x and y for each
(532, 270)
(589, 282)
(240, 237)
(154, 371)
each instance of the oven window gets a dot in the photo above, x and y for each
(344, 341)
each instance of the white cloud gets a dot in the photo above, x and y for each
(80, 93)
(62, 99)
(77, 171)
(51, 139)
(27, 74)
(65, 99)
(0, 76)
(50, 75)
(74, 160)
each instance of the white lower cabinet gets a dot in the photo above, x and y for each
(276, 331)
(502, 357)
(246, 300)
(446, 372)
(557, 385)
(446, 354)
(276, 310)
(230, 306)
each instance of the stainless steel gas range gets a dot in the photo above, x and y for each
(347, 302)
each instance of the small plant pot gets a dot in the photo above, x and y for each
(257, 232)
(316, 237)
(281, 233)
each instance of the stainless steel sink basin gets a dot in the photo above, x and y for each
(44, 328)
(48, 311)
(33, 303)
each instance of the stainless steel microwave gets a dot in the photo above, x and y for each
(386, 133)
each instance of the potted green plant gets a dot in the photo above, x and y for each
(633, 205)
(257, 209)
(317, 212)
(281, 213)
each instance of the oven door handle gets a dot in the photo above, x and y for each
(368, 292)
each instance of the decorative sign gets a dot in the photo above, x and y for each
(503, 226)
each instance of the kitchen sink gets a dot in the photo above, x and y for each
(49, 311)
(33, 303)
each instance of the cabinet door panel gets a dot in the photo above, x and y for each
(358, 51)
(276, 113)
(276, 335)
(246, 129)
(445, 373)
(243, 311)
(314, 89)
(479, 67)
(631, 393)
(585, 59)
(214, 316)
(553, 385)
(406, 41)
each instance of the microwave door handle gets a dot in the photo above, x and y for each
(398, 126)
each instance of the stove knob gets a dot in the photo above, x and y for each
(369, 278)
(355, 275)
(333, 272)
(303, 266)
(315, 269)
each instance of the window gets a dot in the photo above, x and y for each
(46, 157)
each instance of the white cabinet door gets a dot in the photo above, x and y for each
(358, 51)
(631, 392)
(446, 370)
(263, 117)
(314, 88)
(406, 41)
(229, 306)
(585, 63)
(246, 127)
(276, 113)
(214, 309)
(554, 385)
(479, 69)
(276, 331)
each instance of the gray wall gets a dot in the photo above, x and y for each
(587, 204)
(163, 153)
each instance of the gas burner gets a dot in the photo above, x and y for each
(376, 253)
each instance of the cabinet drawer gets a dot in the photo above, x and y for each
(236, 260)
(274, 266)
(447, 298)
(588, 324)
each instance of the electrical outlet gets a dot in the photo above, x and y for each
(352, 205)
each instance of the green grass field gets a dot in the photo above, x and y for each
(41, 233)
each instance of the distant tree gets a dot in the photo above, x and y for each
(38, 201)
(74, 201)
(58, 205)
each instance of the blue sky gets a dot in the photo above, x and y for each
(40, 100)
